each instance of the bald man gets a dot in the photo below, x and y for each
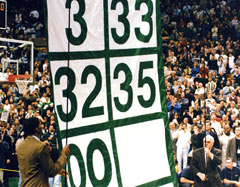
(205, 163)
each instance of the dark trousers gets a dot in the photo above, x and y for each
(229, 185)
(185, 185)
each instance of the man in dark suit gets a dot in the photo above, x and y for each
(204, 165)
(233, 148)
(207, 132)
(35, 163)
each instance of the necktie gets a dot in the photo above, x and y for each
(207, 159)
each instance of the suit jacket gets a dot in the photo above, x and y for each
(198, 164)
(232, 149)
(202, 135)
(4, 150)
(36, 164)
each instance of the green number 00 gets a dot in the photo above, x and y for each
(95, 144)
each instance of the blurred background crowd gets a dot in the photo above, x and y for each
(201, 59)
(25, 22)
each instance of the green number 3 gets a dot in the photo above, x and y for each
(67, 93)
(123, 19)
(146, 18)
(78, 18)
(125, 86)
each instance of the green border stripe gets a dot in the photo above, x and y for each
(159, 182)
(173, 177)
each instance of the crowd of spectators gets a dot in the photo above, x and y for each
(201, 58)
(25, 22)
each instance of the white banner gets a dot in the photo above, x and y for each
(108, 85)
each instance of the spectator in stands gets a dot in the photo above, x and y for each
(183, 137)
(215, 32)
(238, 60)
(233, 109)
(224, 139)
(50, 136)
(230, 174)
(211, 85)
(183, 101)
(197, 110)
(176, 119)
(172, 127)
(210, 101)
(174, 106)
(186, 177)
(194, 136)
(233, 97)
(195, 69)
(212, 63)
(172, 78)
(208, 131)
(233, 148)
(215, 124)
(222, 65)
(200, 91)
(231, 61)
(4, 155)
